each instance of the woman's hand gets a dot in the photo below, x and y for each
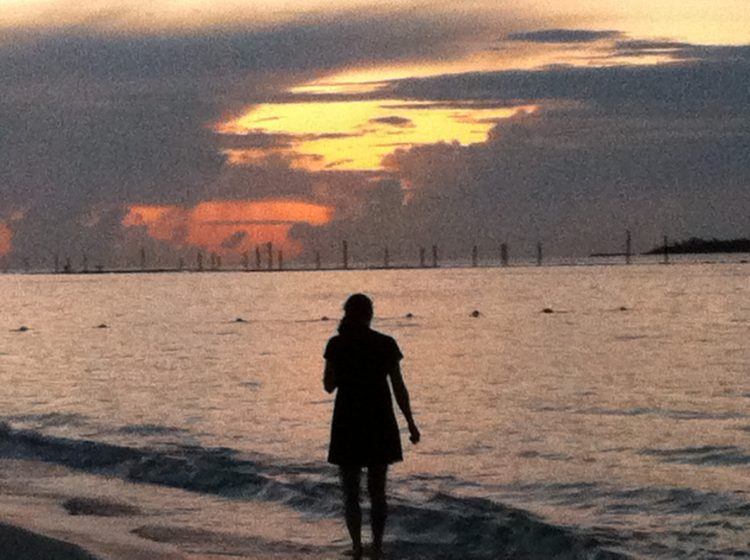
(414, 435)
(329, 378)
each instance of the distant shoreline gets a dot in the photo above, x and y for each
(394, 268)
(692, 246)
(698, 246)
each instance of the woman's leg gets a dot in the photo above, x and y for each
(376, 475)
(350, 485)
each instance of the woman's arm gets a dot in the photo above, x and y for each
(402, 399)
(329, 378)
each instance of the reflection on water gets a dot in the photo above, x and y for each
(626, 410)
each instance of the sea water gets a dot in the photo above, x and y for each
(611, 403)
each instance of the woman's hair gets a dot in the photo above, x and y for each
(357, 312)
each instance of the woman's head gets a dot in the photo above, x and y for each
(357, 312)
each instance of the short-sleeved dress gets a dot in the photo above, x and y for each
(364, 429)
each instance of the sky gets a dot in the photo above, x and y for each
(172, 128)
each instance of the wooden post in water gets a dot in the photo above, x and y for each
(180, 264)
(246, 260)
(539, 253)
(317, 260)
(143, 258)
(218, 262)
(627, 246)
(269, 250)
(199, 261)
(68, 267)
(504, 254)
(280, 258)
(386, 258)
(421, 257)
(434, 256)
(257, 257)
(345, 253)
(474, 256)
(666, 250)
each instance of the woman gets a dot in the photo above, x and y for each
(364, 432)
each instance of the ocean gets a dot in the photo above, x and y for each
(586, 412)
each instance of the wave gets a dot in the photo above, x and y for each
(440, 526)
(715, 456)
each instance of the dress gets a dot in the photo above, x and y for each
(364, 429)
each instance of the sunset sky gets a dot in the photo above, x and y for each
(186, 126)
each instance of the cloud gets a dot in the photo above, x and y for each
(400, 122)
(91, 118)
(93, 124)
(563, 36)
(639, 47)
(654, 149)
(234, 241)
(711, 81)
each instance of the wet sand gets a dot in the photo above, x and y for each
(52, 513)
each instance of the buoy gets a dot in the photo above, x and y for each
(324, 318)
(548, 310)
(22, 328)
(409, 315)
(475, 313)
(102, 326)
(623, 308)
(239, 320)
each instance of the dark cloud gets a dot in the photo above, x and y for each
(234, 241)
(563, 36)
(90, 121)
(656, 149)
(571, 179)
(713, 81)
(256, 140)
(400, 122)
(305, 44)
(635, 47)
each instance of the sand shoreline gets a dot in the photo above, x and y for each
(50, 512)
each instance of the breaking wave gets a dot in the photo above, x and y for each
(438, 526)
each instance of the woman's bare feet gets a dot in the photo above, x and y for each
(356, 552)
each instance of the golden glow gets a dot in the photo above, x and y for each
(161, 222)
(699, 21)
(357, 135)
(144, 215)
(6, 239)
(229, 226)
(158, 15)
(262, 211)
(271, 156)
(332, 87)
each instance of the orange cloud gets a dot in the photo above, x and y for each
(165, 223)
(6, 239)
(229, 226)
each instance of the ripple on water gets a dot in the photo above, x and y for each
(712, 455)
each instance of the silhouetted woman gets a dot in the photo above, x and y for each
(364, 432)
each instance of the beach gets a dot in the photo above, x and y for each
(583, 412)
(52, 512)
